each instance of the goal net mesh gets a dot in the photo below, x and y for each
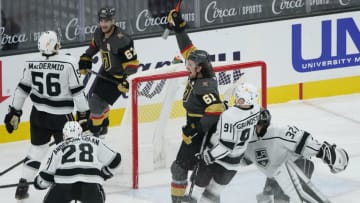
(150, 133)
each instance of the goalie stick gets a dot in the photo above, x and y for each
(167, 31)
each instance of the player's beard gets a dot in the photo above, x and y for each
(108, 30)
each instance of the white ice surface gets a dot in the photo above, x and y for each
(335, 119)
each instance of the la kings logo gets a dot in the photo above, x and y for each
(262, 157)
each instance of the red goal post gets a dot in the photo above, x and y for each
(154, 76)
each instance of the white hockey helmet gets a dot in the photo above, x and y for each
(72, 129)
(48, 42)
(247, 92)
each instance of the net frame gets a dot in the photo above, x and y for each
(169, 75)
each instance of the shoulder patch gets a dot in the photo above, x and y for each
(205, 85)
(120, 35)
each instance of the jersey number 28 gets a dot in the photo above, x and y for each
(71, 154)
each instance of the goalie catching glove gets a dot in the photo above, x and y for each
(190, 131)
(12, 119)
(85, 63)
(336, 158)
(175, 21)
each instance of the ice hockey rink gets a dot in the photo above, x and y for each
(334, 119)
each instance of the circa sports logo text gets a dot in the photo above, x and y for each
(278, 6)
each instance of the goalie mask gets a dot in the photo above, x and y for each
(48, 43)
(72, 129)
(247, 92)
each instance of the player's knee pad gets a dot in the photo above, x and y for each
(37, 152)
(33, 160)
(265, 198)
(97, 105)
(178, 172)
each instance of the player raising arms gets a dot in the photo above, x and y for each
(77, 167)
(221, 157)
(119, 60)
(201, 102)
(52, 81)
(274, 150)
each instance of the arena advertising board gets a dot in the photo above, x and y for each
(298, 50)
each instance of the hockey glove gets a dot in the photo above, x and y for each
(12, 119)
(84, 64)
(175, 21)
(190, 132)
(106, 173)
(207, 157)
(123, 86)
(82, 118)
(336, 158)
(40, 183)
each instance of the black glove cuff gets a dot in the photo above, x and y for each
(13, 111)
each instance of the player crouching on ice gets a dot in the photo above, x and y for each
(77, 167)
(282, 153)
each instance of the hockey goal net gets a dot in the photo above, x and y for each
(156, 115)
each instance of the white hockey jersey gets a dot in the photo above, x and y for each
(279, 145)
(79, 160)
(53, 85)
(233, 132)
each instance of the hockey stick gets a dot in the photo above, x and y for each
(103, 77)
(196, 168)
(11, 167)
(17, 164)
(167, 31)
(13, 185)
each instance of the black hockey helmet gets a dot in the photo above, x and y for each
(199, 56)
(107, 13)
(264, 121)
(202, 58)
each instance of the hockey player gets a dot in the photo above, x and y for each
(119, 61)
(77, 167)
(201, 102)
(221, 157)
(52, 81)
(274, 150)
